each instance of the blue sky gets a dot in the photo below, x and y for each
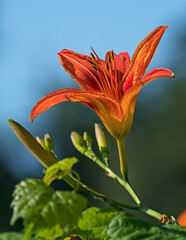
(33, 31)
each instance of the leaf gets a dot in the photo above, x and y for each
(59, 170)
(29, 198)
(45, 212)
(11, 236)
(94, 221)
(127, 227)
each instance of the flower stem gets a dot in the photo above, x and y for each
(151, 212)
(102, 197)
(123, 158)
(90, 154)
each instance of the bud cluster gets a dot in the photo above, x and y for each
(84, 144)
(47, 143)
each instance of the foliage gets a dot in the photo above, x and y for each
(127, 227)
(11, 236)
(59, 170)
(45, 212)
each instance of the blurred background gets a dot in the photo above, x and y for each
(32, 33)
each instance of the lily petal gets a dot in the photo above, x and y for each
(121, 63)
(182, 218)
(157, 73)
(80, 69)
(50, 100)
(99, 102)
(106, 108)
(143, 54)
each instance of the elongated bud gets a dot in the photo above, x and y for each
(88, 140)
(78, 142)
(102, 142)
(32, 144)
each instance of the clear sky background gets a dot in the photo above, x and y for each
(33, 31)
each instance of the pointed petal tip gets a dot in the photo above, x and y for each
(31, 119)
(164, 27)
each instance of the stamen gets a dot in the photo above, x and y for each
(107, 66)
(112, 54)
(92, 63)
(94, 52)
(109, 59)
(92, 56)
(94, 67)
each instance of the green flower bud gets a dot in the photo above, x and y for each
(40, 141)
(49, 142)
(32, 144)
(78, 142)
(102, 142)
(88, 140)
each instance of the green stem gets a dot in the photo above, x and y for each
(151, 212)
(102, 197)
(123, 158)
(92, 156)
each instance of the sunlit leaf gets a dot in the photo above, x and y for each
(11, 236)
(45, 212)
(94, 221)
(59, 170)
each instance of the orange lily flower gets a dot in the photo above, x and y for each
(108, 87)
(182, 219)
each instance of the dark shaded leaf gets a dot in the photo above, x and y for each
(127, 227)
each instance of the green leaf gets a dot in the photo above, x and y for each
(45, 212)
(59, 170)
(94, 221)
(11, 236)
(29, 198)
(127, 227)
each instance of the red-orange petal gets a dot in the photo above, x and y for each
(106, 108)
(99, 102)
(120, 63)
(182, 218)
(50, 100)
(144, 53)
(80, 69)
(157, 73)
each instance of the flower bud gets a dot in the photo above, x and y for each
(40, 141)
(102, 142)
(49, 142)
(78, 142)
(88, 140)
(32, 144)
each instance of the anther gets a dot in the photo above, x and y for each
(109, 59)
(112, 54)
(92, 56)
(107, 66)
(92, 63)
